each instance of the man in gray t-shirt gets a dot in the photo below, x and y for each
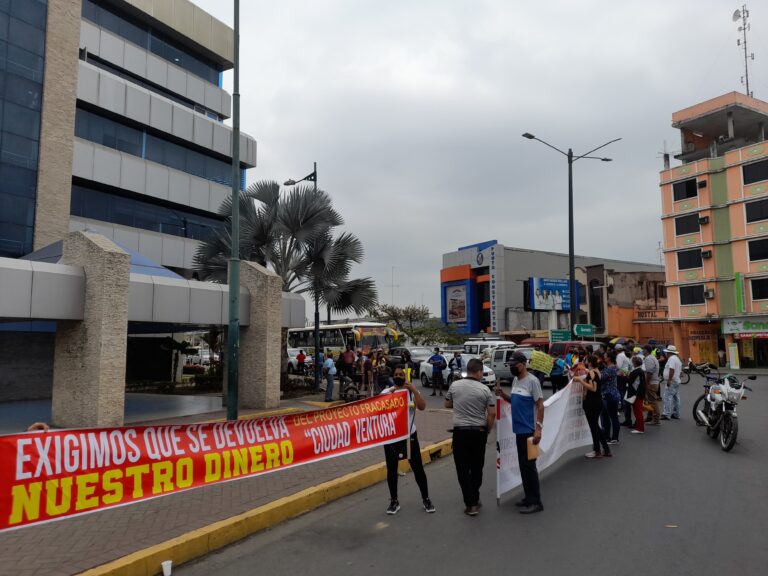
(474, 411)
(651, 368)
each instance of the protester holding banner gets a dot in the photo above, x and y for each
(527, 402)
(397, 451)
(593, 405)
(474, 411)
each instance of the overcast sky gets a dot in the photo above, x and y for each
(413, 110)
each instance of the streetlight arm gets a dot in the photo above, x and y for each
(596, 149)
(550, 145)
(596, 158)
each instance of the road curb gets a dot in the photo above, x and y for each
(209, 538)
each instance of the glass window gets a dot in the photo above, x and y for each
(30, 11)
(17, 210)
(15, 240)
(686, 224)
(688, 259)
(24, 63)
(18, 181)
(760, 289)
(21, 121)
(692, 294)
(685, 189)
(757, 211)
(758, 250)
(755, 172)
(23, 91)
(18, 150)
(25, 36)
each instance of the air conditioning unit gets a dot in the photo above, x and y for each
(709, 294)
(702, 183)
(706, 254)
(704, 220)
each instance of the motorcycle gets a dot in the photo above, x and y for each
(704, 369)
(456, 374)
(716, 408)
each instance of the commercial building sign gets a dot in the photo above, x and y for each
(456, 303)
(645, 314)
(745, 325)
(549, 294)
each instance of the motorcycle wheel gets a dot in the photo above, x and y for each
(685, 377)
(729, 429)
(700, 404)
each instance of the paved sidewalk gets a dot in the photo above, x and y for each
(73, 545)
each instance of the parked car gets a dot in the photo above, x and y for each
(425, 372)
(501, 356)
(477, 346)
(418, 354)
(293, 363)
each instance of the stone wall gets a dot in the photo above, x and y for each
(26, 365)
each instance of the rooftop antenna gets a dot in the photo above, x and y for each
(743, 15)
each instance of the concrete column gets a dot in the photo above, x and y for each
(260, 342)
(89, 358)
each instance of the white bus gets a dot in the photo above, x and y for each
(363, 336)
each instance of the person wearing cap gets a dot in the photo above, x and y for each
(474, 411)
(672, 370)
(527, 402)
(439, 363)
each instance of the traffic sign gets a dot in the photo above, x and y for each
(584, 330)
(559, 335)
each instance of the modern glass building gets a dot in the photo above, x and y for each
(113, 121)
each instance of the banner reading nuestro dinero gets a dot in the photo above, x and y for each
(57, 474)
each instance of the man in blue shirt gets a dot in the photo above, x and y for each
(329, 367)
(527, 421)
(439, 364)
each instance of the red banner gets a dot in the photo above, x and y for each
(53, 475)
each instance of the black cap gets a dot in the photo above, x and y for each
(517, 358)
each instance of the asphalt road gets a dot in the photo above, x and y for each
(669, 502)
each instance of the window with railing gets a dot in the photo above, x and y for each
(145, 214)
(140, 142)
(156, 42)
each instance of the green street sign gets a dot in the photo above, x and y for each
(584, 330)
(559, 335)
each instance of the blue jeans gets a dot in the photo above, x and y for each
(329, 387)
(672, 399)
(609, 418)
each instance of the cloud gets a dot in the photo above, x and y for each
(414, 110)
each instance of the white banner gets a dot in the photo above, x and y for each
(565, 428)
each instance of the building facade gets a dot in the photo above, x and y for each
(484, 287)
(113, 122)
(715, 221)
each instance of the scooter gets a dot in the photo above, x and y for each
(716, 408)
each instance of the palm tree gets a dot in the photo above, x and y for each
(293, 235)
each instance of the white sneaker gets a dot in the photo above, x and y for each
(637, 432)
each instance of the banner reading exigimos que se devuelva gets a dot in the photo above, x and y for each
(58, 474)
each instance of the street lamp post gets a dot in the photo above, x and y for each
(571, 258)
(233, 333)
(313, 178)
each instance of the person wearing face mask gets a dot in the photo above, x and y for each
(474, 411)
(397, 451)
(527, 401)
